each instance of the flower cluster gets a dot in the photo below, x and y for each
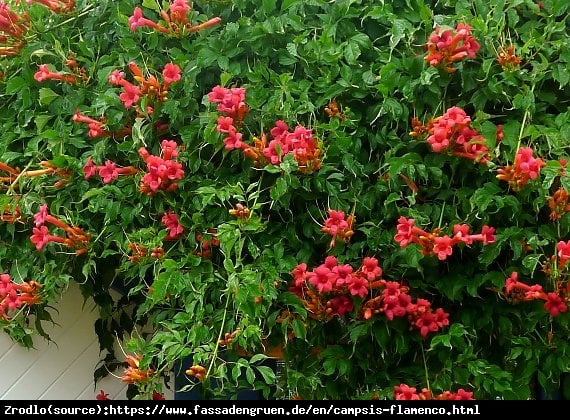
(108, 172)
(133, 373)
(447, 46)
(432, 243)
(56, 6)
(333, 111)
(525, 168)
(175, 20)
(331, 289)
(240, 211)
(338, 226)
(139, 252)
(10, 215)
(231, 104)
(405, 392)
(13, 30)
(299, 142)
(48, 169)
(75, 237)
(205, 243)
(558, 204)
(452, 132)
(507, 58)
(147, 87)
(555, 302)
(162, 171)
(197, 371)
(14, 295)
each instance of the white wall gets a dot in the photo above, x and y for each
(62, 369)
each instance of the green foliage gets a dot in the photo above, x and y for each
(220, 291)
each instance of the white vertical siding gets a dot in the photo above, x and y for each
(61, 369)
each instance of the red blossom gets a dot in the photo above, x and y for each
(173, 226)
(555, 304)
(171, 73)
(108, 172)
(405, 392)
(370, 268)
(157, 396)
(102, 396)
(130, 95)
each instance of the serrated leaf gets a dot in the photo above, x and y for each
(292, 49)
(15, 84)
(351, 52)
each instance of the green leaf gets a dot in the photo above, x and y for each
(257, 358)
(269, 6)
(15, 84)
(267, 373)
(47, 96)
(351, 52)
(279, 189)
(285, 4)
(152, 5)
(299, 329)
(561, 74)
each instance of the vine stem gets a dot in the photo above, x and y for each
(425, 368)
(524, 121)
(215, 353)
(18, 177)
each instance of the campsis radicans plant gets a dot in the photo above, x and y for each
(13, 175)
(558, 204)
(56, 6)
(148, 87)
(108, 172)
(555, 302)
(556, 268)
(525, 168)
(452, 133)
(133, 373)
(139, 253)
(174, 21)
(333, 289)
(162, 171)
(98, 128)
(172, 225)
(507, 58)
(75, 238)
(300, 142)
(433, 243)
(44, 73)
(13, 30)
(15, 295)
(339, 226)
(446, 46)
(406, 392)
